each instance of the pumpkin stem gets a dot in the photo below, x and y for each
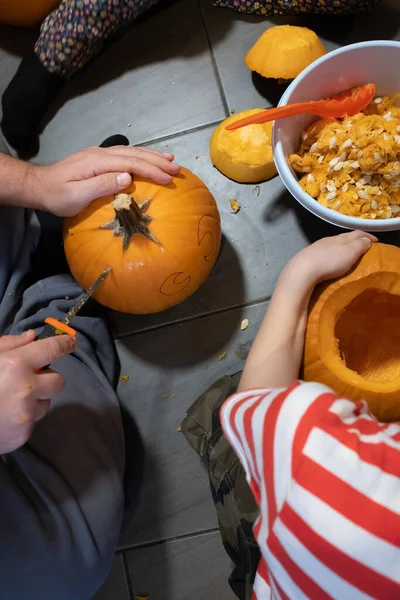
(130, 218)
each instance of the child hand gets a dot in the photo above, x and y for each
(331, 257)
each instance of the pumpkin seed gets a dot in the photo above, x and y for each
(244, 325)
(314, 147)
(235, 206)
(378, 100)
(347, 143)
(338, 166)
(332, 142)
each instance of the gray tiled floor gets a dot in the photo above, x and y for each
(166, 571)
(172, 77)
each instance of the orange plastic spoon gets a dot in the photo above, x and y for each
(347, 103)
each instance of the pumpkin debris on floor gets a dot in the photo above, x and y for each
(352, 341)
(235, 206)
(244, 155)
(140, 234)
(244, 324)
(222, 356)
(124, 378)
(283, 51)
(352, 165)
(257, 190)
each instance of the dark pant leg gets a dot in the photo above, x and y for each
(234, 502)
(61, 497)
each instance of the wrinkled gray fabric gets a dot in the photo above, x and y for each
(61, 496)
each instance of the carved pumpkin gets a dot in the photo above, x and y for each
(161, 242)
(353, 333)
(282, 52)
(244, 155)
(26, 13)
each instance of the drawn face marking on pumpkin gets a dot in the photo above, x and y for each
(208, 236)
(175, 284)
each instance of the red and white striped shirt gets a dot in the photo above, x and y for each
(326, 476)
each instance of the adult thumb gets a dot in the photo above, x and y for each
(10, 342)
(103, 185)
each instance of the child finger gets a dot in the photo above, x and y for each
(360, 245)
(348, 238)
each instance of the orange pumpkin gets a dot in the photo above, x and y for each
(353, 333)
(161, 242)
(283, 51)
(26, 13)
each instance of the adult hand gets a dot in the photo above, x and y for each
(330, 257)
(25, 393)
(68, 186)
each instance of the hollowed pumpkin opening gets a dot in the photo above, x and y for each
(368, 335)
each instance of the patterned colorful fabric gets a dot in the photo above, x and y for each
(325, 474)
(76, 31)
(287, 7)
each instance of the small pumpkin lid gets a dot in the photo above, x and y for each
(244, 155)
(282, 52)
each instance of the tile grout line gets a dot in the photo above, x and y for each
(177, 538)
(214, 62)
(128, 580)
(170, 136)
(194, 317)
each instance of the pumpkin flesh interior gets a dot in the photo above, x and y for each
(368, 335)
(335, 348)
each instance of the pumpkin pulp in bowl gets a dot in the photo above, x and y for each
(353, 333)
(352, 165)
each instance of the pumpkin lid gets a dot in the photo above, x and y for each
(282, 52)
(244, 155)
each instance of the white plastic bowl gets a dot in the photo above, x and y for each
(367, 62)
